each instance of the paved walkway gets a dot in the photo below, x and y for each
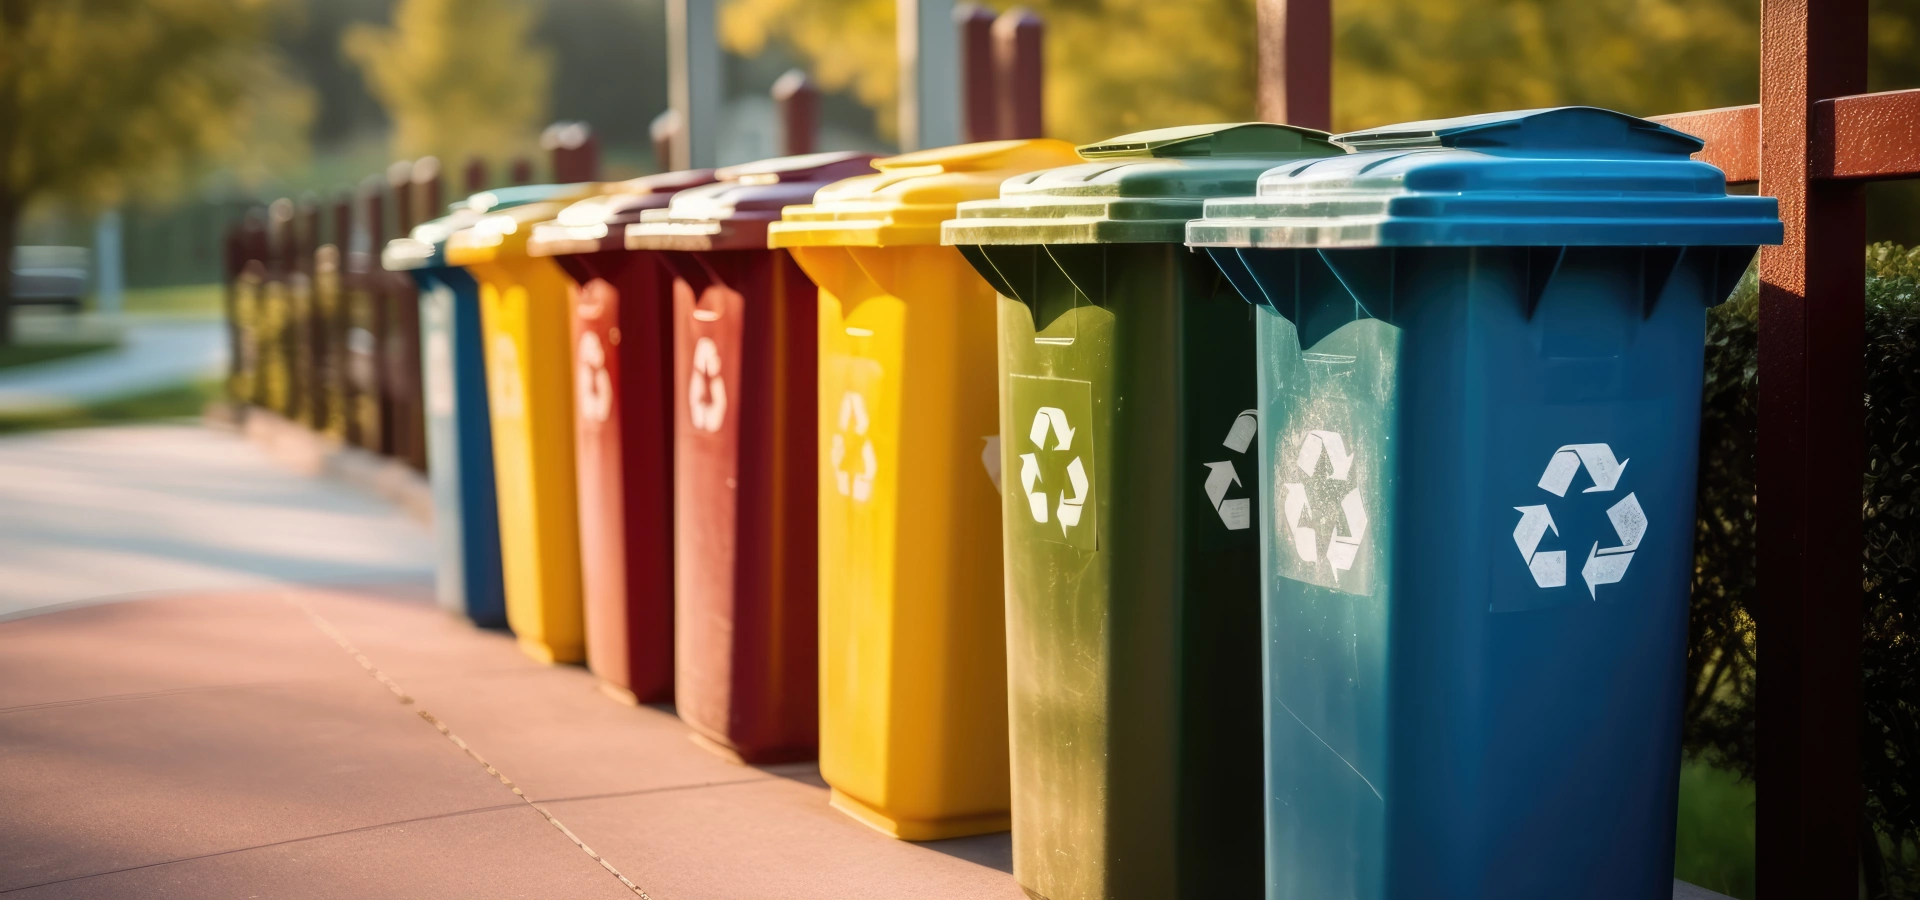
(155, 353)
(99, 513)
(233, 728)
(363, 744)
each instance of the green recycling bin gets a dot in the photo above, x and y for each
(1127, 383)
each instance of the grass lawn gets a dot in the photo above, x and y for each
(190, 301)
(172, 402)
(26, 354)
(1714, 846)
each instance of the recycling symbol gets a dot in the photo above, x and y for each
(706, 393)
(1236, 514)
(503, 370)
(1071, 504)
(1341, 549)
(853, 420)
(1605, 565)
(594, 389)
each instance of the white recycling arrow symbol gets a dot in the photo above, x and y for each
(1236, 514)
(853, 420)
(1342, 549)
(706, 393)
(1053, 419)
(1605, 565)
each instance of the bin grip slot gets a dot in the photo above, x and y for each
(1305, 287)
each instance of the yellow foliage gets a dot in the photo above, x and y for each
(1123, 65)
(457, 78)
(114, 98)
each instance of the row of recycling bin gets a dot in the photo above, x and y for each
(1217, 506)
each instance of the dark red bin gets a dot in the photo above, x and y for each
(745, 559)
(622, 317)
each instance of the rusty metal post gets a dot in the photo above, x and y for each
(400, 190)
(979, 101)
(1810, 458)
(664, 131)
(1019, 38)
(1295, 67)
(366, 407)
(429, 201)
(304, 402)
(798, 103)
(574, 151)
(474, 179)
(341, 219)
(521, 172)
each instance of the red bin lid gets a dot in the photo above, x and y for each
(733, 213)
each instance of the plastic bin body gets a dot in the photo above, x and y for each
(459, 434)
(913, 715)
(466, 521)
(744, 490)
(1132, 558)
(1479, 405)
(524, 319)
(622, 337)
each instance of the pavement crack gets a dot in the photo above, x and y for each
(407, 699)
(251, 847)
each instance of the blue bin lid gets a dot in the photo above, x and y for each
(426, 245)
(1570, 176)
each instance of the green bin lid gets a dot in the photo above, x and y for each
(1575, 175)
(1136, 188)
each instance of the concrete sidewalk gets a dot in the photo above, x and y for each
(363, 744)
(98, 513)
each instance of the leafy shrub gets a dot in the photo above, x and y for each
(1720, 664)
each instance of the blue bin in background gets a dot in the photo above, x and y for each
(1480, 350)
(466, 524)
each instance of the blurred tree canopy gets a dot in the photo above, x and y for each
(424, 71)
(101, 100)
(1123, 65)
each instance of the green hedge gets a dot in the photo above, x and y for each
(1720, 663)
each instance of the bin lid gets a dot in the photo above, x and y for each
(600, 223)
(425, 246)
(1136, 188)
(1574, 175)
(733, 212)
(502, 230)
(905, 202)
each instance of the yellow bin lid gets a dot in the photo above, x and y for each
(504, 234)
(905, 202)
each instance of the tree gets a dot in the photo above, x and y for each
(1123, 65)
(457, 77)
(105, 99)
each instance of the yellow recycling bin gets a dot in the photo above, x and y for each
(529, 360)
(913, 695)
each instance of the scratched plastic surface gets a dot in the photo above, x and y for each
(745, 483)
(622, 338)
(466, 524)
(913, 690)
(1478, 507)
(1126, 364)
(529, 365)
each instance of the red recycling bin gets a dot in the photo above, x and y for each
(745, 560)
(622, 318)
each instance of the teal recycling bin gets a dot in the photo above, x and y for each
(467, 576)
(1480, 346)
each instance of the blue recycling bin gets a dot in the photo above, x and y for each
(467, 577)
(1480, 345)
